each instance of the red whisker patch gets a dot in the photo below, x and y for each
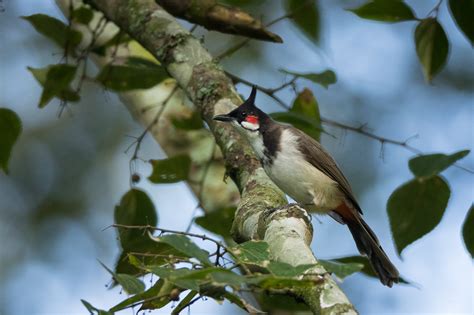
(252, 119)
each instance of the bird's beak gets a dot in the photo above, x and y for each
(224, 118)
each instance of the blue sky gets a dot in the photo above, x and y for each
(379, 82)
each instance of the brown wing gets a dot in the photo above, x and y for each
(324, 162)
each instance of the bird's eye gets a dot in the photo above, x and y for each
(244, 114)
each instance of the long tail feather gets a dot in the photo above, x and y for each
(368, 245)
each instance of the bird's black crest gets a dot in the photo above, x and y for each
(250, 101)
(247, 108)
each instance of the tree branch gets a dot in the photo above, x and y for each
(228, 52)
(219, 17)
(288, 230)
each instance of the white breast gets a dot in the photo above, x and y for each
(300, 180)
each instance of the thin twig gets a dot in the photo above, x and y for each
(183, 259)
(362, 130)
(205, 172)
(84, 57)
(435, 10)
(192, 301)
(268, 91)
(383, 140)
(193, 28)
(218, 255)
(230, 51)
(244, 42)
(69, 27)
(201, 186)
(184, 302)
(218, 243)
(84, 54)
(284, 85)
(154, 228)
(140, 138)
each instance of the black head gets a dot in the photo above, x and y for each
(247, 115)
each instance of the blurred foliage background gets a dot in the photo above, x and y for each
(67, 173)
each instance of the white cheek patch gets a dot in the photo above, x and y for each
(249, 126)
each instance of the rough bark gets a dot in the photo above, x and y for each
(261, 213)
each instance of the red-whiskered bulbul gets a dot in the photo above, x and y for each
(300, 167)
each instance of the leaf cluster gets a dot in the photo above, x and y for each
(417, 207)
(180, 264)
(431, 41)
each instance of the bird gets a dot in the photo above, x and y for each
(306, 172)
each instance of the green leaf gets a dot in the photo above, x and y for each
(240, 302)
(56, 80)
(224, 277)
(93, 310)
(385, 11)
(306, 124)
(10, 129)
(341, 270)
(360, 260)
(416, 208)
(290, 304)
(193, 122)
(306, 105)
(463, 13)
(325, 78)
(207, 280)
(171, 170)
(159, 295)
(150, 293)
(135, 209)
(191, 280)
(275, 282)
(282, 269)
(137, 74)
(183, 277)
(218, 222)
(184, 303)
(40, 74)
(55, 30)
(219, 294)
(117, 39)
(201, 279)
(305, 15)
(167, 293)
(432, 47)
(155, 254)
(185, 246)
(82, 15)
(129, 283)
(251, 252)
(142, 62)
(433, 164)
(468, 231)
